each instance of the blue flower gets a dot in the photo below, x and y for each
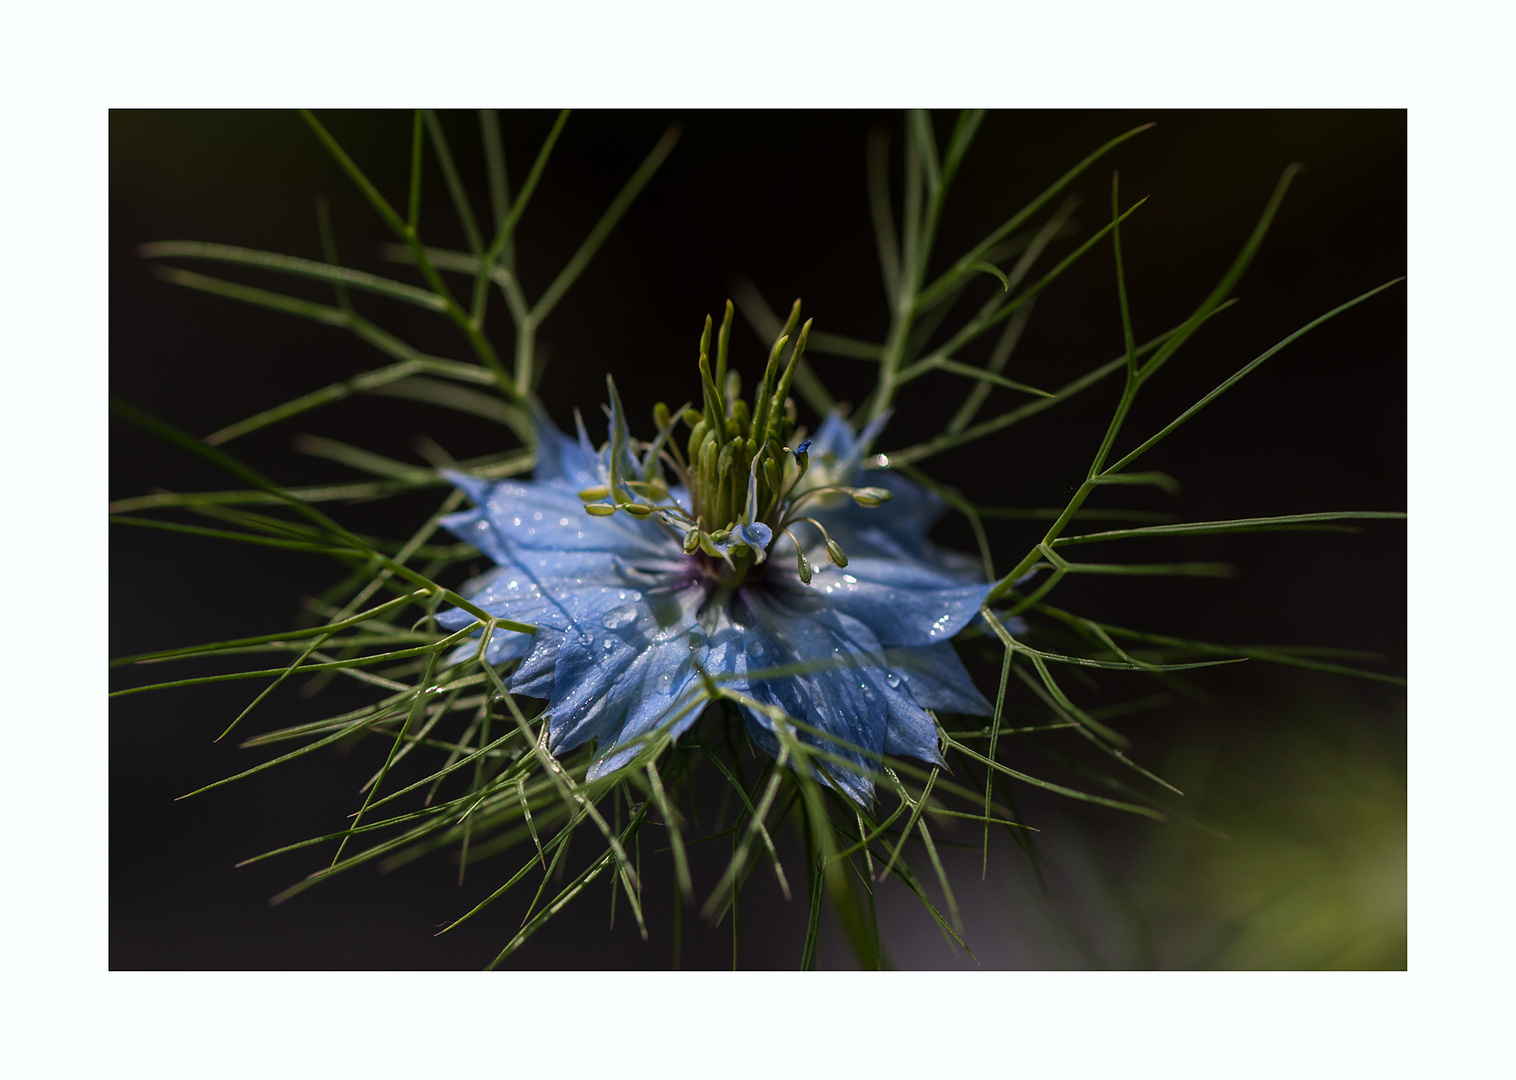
(634, 595)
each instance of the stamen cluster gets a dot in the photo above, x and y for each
(739, 483)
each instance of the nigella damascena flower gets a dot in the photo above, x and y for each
(768, 569)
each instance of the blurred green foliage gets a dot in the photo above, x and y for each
(1313, 872)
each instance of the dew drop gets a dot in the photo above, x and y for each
(663, 682)
(850, 579)
(618, 617)
(755, 648)
(891, 678)
(666, 633)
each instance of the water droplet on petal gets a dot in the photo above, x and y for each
(891, 678)
(663, 682)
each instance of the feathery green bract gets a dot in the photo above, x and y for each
(465, 764)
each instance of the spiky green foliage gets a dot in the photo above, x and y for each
(463, 766)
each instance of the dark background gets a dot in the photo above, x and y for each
(780, 198)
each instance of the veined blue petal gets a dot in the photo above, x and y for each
(530, 515)
(902, 602)
(534, 678)
(838, 689)
(618, 446)
(911, 732)
(558, 456)
(937, 679)
(623, 665)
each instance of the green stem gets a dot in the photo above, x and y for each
(406, 231)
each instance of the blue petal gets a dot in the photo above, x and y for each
(558, 456)
(540, 516)
(833, 439)
(618, 439)
(937, 679)
(840, 689)
(534, 678)
(622, 670)
(902, 601)
(473, 526)
(837, 449)
(755, 536)
(472, 486)
(912, 732)
(900, 525)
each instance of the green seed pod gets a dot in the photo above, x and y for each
(836, 554)
(594, 494)
(641, 510)
(871, 496)
(600, 509)
(721, 536)
(691, 541)
(805, 567)
(708, 465)
(771, 473)
(660, 416)
(697, 438)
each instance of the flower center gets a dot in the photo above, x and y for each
(741, 479)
